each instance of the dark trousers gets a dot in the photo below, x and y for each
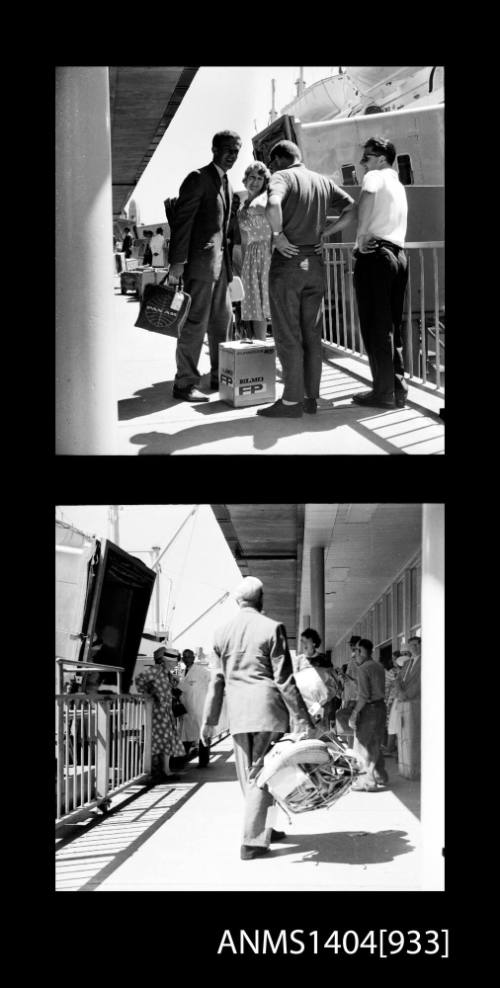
(203, 752)
(211, 312)
(249, 751)
(380, 281)
(296, 289)
(369, 737)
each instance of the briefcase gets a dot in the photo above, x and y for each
(164, 308)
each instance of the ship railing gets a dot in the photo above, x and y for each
(103, 744)
(423, 327)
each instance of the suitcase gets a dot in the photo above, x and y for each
(130, 281)
(247, 372)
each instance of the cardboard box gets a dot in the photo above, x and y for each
(247, 373)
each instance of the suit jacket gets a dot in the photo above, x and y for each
(253, 667)
(410, 681)
(200, 226)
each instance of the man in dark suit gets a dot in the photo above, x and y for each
(199, 254)
(253, 667)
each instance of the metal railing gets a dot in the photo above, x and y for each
(423, 326)
(102, 745)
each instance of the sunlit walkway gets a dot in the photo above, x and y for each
(186, 837)
(152, 422)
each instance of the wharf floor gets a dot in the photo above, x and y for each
(185, 836)
(151, 421)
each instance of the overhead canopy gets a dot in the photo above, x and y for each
(143, 101)
(266, 541)
(365, 548)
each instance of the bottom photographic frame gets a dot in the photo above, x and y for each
(162, 579)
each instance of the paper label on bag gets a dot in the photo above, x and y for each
(177, 301)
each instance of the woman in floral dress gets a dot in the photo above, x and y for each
(256, 248)
(155, 682)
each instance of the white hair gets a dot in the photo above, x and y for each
(249, 590)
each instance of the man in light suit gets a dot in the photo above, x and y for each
(408, 684)
(253, 667)
(408, 690)
(199, 254)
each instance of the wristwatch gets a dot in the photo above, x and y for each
(278, 234)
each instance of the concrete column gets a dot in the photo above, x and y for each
(432, 618)
(86, 412)
(317, 561)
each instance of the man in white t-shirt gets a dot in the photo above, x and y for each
(381, 273)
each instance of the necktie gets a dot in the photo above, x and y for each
(225, 188)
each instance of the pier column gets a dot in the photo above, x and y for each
(86, 412)
(317, 560)
(432, 696)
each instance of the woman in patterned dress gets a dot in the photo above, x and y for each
(256, 248)
(155, 682)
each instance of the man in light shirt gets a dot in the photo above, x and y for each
(381, 273)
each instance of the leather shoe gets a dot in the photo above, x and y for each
(189, 394)
(372, 399)
(400, 401)
(310, 406)
(247, 852)
(277, 835)
(279, 410)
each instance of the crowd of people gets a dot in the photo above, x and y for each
(253, 669)
(274, 238)
(266, 694)
(269, 694)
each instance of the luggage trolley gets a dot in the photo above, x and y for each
(309, 774)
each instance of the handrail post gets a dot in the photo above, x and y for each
(148, 734)
(102, 747)
(60, 756)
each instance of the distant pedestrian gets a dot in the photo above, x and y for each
(408, 686)
(166, 744)
(193, 680)
(368, 719)
(311, 656)
(127, 242)
(147, 257)
(158, 248)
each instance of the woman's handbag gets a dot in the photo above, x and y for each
(164, 308)
(178, 708)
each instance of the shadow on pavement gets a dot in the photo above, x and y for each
(156, 398)
(354, 847)
(266, 433)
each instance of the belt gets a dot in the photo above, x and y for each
(369, 702)
(388, 243)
